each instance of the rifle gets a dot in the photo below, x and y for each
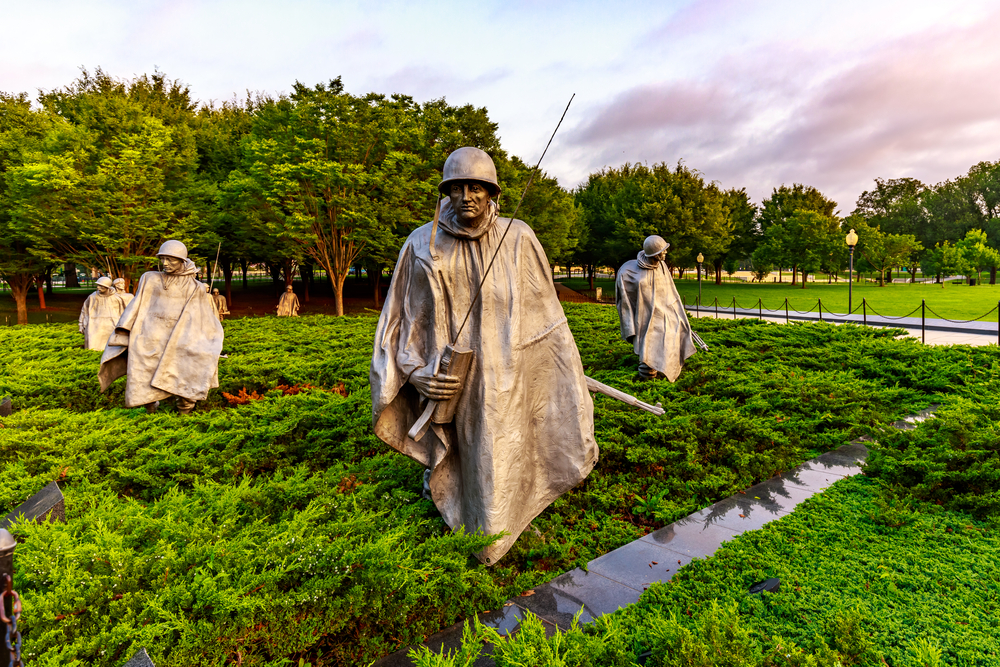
(216, 268)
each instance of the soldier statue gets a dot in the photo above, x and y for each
(288, 306)
(221, 305)
(120, 286)
(168, 340)
(651, 312)
(100, 313)
(522, 427)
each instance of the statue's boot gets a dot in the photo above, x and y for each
(151, 407)
(184, 405)
(647, 372)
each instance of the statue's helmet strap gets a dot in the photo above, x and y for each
(469, 164)
(654, 245)
(173, 249)
(104, 281)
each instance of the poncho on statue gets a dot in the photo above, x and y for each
(98, 316)
(523, 432)
(652, 316)
(168, 340)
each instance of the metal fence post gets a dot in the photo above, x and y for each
(923, 321)
(998, 322)
(819, 305)
(760, 310)
(734, 307)
(864, 310)
(717, 308)
(786, 310)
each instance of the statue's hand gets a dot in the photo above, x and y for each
(438, 388)
(119, 338)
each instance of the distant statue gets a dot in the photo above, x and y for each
(168, 340)
(289, 304)
(513, 422)
(120, 286)
(221, 305)
(100, 313)
(651, 312)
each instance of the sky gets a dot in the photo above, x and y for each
(751, 93)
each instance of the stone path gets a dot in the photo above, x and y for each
(618, 578)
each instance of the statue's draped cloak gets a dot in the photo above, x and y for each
(651, 311)
(288, 305)
(174, 340)
(523, 432)
(98, 318)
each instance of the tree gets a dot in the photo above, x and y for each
(803, 241)
(882, 251)
(746, 233)
(784, 203)
(977, 253)
(114, 180)
(946, 259)
(331, 172)
(21, 133)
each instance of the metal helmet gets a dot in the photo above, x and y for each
(173, 249)
(104, 281)
(654, 245)
(469, 164)
(119, 282)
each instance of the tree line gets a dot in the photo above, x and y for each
(100, 172)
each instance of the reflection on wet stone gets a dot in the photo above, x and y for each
(560, 599)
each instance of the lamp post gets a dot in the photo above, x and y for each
(700, 258)
(852, 240)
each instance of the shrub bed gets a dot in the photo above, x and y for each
(266, 530)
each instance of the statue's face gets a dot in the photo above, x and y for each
(102, 290)
(171, 264)
(288, 289)
(215, 292)
(470, 200)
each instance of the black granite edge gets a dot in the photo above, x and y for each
(554, 604)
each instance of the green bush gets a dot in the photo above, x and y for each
(191, 519)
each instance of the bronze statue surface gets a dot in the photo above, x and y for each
(522, 432)
(651, 313)
(288, 306)
(100, 313)
(169, 338)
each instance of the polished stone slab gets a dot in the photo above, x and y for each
(588, 593)
(46, 505)
(140, 659)
(740, 513)
(639, 564)
(690, 538)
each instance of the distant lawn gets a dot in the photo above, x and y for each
(954, 301)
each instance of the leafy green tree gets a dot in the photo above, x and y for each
(977, 253)
(746, 234)
(894, 206)
(944, 260)
(21, 132)
(107, 186)
(330, 172)
(784, 203)
(882, 251)
(803, 241)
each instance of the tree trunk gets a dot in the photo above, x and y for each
(40, 284)
(718, 273)
(305, 274)
(48, 283)
(338, 294)
(795, 273)
(19, 284)
(591, 271)
(802, 276)
(227, 273)
(993, 275)
(70, 270)
(244, 265)
(376, 277)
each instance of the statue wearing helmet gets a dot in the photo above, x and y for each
(521, 431)
(99, 314)
(168, 340)
(120, 286)
(651, 313)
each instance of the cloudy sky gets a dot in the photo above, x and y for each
(753, 93)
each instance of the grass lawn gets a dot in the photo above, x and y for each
(954, 301)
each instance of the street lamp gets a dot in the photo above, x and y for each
(700, 258)
(852, 240)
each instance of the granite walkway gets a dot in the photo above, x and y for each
(619, 577)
